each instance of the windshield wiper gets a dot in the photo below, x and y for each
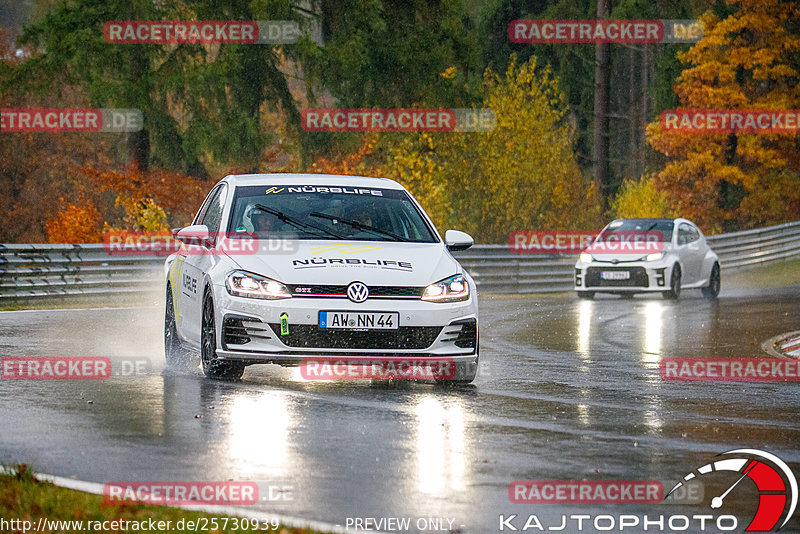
(357, 225)
(296, 223)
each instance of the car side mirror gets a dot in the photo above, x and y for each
(456, 240)
(196, 234)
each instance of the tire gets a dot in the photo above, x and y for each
(175, 354)
(588, 295)
(674, 292)
(714, 283)
(213, 367)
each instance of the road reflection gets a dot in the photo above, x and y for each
(584, 327)
(440, 446)
(259, 426)
(653, 325)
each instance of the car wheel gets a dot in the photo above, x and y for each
(585, 294)
(714, 283)
(175, 354)
(674, 292)
(213, 367)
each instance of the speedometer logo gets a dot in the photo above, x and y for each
(776, 485)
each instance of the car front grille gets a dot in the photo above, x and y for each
(638, 277)
(340, 291)
(314, 337)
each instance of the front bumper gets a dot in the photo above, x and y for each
(249, 329)
(641, 276)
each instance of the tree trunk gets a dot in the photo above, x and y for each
(601, 78)
(645, 70)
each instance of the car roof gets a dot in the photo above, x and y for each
(285, 178)
(655, 219)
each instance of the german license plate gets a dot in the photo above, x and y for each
(615, 275)
(359, 320)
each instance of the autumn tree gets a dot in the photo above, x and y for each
(152, 200)
(520, 175)
(201, 104)
(748, 60)
(75, 223)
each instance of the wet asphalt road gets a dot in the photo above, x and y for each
(568, 390)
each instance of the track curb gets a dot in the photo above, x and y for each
(775, 345)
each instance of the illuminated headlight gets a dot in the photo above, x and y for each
(244, 284)
(451, 289)
(655, 256)
(586, 257)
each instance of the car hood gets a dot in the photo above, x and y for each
(626, 256)
(342, 262)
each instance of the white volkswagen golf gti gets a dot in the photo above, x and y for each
(343, 266)
(632, 256)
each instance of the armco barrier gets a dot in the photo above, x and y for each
(30, 272)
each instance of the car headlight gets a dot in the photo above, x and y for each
(655, 256)
(586, 257)
(244, 284)
(451, 289)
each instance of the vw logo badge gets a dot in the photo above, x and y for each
(357, 292)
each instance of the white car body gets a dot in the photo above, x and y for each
(317, 273)
(685, 257)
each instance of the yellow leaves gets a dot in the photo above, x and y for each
(449, 73)
(640, 198)
(521, 175)
(142, 215)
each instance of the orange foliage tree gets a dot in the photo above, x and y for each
(75, 223)
(152, 199)
(354, 163)
(723, 181)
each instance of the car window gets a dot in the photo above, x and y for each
(202, 211)
(213, 214)
(664, 227)
(328, 212)
(685, 234)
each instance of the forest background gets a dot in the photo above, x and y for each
(212, 110)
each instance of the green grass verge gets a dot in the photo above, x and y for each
(778, 274)
(24, 498)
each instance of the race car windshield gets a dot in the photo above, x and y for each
(650, 226)
(327, 212)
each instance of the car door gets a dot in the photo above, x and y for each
(197, 261)
(181, 294)
(690, 253)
